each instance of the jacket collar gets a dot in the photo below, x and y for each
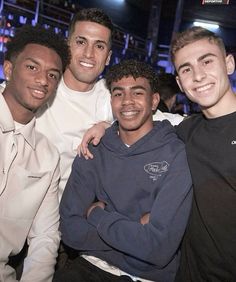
(7, 122)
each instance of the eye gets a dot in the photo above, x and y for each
(207, 62)
(100, 46)
(80, 42)
(138, 93)
(185, 70)
(31, 67)
(116, 94)
(54, 76)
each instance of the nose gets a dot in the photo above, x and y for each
(199, 74)
(42, 78)
(128, 99)
(88, 51)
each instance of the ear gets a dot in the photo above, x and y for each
(230, 64)
(155, 100)
(179, 83)
(7, 69)
(108, 58)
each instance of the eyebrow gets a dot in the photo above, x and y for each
(132, 87)
(199, 59)
(37, 63)
(96, 41)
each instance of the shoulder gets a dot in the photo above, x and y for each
(166, 135)
(174, 119)
(100, 87)
(188, 125)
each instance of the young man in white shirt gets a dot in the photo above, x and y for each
(34, 62)
(81, 100)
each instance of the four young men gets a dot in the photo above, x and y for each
(209, 245)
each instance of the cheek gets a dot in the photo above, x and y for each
(52, 87)
(102, 58)
(185, 84)
(74, 57)
(75, 52)
(115, 105)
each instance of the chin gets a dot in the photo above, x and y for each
(129, 128)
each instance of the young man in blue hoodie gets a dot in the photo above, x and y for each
(126, 209)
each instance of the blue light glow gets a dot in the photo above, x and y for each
(206, 25)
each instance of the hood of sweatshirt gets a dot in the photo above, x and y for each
(161, 134)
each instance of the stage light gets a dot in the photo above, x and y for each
(206, 25)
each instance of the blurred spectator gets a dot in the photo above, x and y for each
(168, 90)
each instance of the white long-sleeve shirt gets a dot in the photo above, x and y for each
(29, 207)
(68, 116)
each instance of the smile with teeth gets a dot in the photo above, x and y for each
(38, 93)
(204, 88)
(87, 65)
(129, 113)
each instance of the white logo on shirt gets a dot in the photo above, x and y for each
(233, 142)
(156, 169)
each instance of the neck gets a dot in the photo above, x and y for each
(226, 105)
(130, 137)
(19, 113)
(74, 84)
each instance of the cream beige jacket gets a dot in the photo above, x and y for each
(29, 175)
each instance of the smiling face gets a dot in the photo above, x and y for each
(203, 70)
(32, 78)
(90, 53)
(132, 102)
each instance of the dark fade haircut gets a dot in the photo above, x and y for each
(37, 35)
(192, 35)
(132, 68)
(94, 15)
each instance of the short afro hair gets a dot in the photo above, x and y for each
(37, 35)
(132, 68)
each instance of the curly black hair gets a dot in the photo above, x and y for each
(132, 68)
(91, 15)
(37, 35)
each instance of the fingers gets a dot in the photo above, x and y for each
(96, 141)
(145, 218)
(94, 205)
(83, 150)
(79, 150)
(93, 135)
(87, 154)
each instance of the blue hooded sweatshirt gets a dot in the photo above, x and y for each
(150, 176)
